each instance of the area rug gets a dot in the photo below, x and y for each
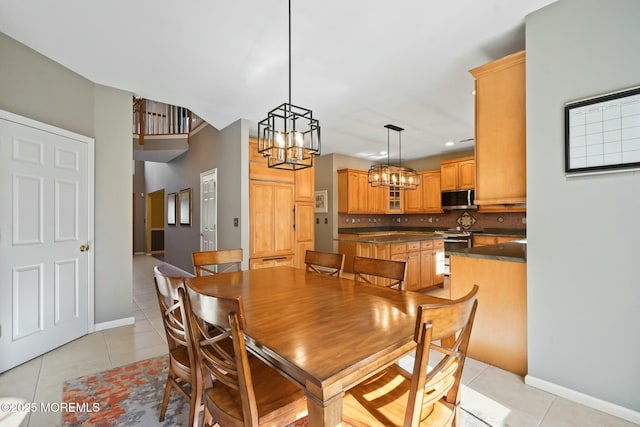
(131, 395)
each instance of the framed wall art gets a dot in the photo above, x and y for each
(321, 202)
(602, 133)
(184, 199)
(171, 208)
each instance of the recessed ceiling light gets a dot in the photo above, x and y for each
(449, 143)
(383, 153)
(473, 92)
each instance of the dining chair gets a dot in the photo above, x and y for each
(238, 390)
(427, 396)
(324, 262)
(209, 261)
(182, 375)
(372, 270)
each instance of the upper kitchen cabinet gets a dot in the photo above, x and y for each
(500, 134)
(356, 196)
(458, 174)
(426, 198)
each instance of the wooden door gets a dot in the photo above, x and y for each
(46, 244)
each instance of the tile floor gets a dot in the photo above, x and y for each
(500, 394)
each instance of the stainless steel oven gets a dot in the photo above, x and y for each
(454, 239)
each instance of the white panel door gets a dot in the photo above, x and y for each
(44, 238)
(208, 211)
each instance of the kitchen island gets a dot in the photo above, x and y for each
(499, 335)
(422, 251)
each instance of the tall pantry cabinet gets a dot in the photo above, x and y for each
(281, 213)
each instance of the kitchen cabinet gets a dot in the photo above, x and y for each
(479, 240)
(500, 134)
(356, 196)
(426, 198)
(394, 200)
(424, 258)
(409, 253)
(281, 213)
(271, 217)
(432, 263)
(304, 231)
(458, 174)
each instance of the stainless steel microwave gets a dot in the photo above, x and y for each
(462, 199)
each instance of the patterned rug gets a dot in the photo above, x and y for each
(131, 395)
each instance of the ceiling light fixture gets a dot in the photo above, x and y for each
(289, 137)
(393, 176)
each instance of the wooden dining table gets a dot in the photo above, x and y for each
(324, 333)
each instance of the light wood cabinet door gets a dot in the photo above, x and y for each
(449, 176)
(375, 199)
(500, 132)
(413, 199)
(467, 174)
(271, 218)
(431, 192)
(458, 174)
(305, 185)
(426, 268)
(304, 231)
(394, 200)
(413, 272)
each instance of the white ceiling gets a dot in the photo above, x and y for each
(358, 65)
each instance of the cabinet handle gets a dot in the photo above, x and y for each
(294, 217)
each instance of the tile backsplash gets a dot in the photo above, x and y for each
(466, 219)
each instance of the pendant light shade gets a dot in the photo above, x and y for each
(388, 175)
(289, 137)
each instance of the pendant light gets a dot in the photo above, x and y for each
(289, 137)
(392, 176)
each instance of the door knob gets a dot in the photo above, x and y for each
(84, 248)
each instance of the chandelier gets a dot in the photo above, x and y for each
(289, 137)
(388, 175)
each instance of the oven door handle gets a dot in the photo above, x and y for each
(456, 240)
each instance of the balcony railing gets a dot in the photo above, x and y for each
(157, 118)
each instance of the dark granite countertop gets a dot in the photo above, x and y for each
(514, 251)
(502, 232)
(392, 238)
(387, 229)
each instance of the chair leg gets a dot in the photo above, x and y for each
(165, 399)
(195, 405)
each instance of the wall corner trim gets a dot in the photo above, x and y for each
(584, 399)
(114, 323)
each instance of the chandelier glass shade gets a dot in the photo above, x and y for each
(388, 175)
(289, 137)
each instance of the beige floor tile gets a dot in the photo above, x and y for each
(564, 413)
(527, 405)
(139, 326)
(472, 369)
(127, 340)
(22, 380)
(130, 355)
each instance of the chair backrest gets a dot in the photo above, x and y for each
(204, 262)
(214, 319)
(444, 328)
(324, 262)
(173, 311)
(365, 268)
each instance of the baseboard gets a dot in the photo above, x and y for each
(114, 323)
(584, 399)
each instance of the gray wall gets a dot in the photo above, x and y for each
(208, 149)
(583, 244)
(33, 86)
